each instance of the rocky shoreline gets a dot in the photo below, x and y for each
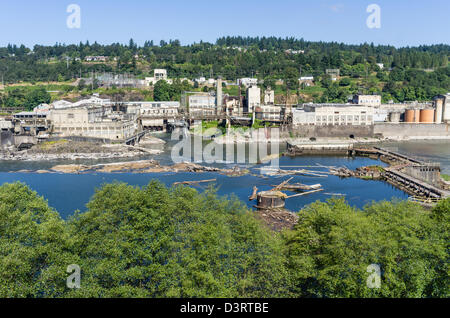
(70, 150)
(70, 156)
(143, 166)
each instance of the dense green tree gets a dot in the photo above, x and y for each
(235, 57)
(160, 242)
(38, 96)
(34, 245)
(162, 91)
(333, 244)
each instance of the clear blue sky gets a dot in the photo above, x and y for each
(403, 22)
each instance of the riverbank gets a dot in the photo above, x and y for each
(75, 150)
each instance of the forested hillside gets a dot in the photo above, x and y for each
(411, 73)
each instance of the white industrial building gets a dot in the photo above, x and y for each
(268, 112)
(156, 109)
(247, 81)
(253, 98)
(90, 122)
(202, 104)
(94, 100)
(269, 97)
(333, 114)
(367, 100)
(158, 75)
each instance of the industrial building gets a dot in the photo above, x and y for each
(233, 105)
(367, 100)
(91, 122)
(442, 106)
(30, 122)
(333, 114)
(253, 98)
(155, 115)
(269, 97)
(219, 96)
(268, 112)
(247, 82)
(202, 104)
(6, 125)
(158, 75)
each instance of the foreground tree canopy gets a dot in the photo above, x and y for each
(160, 242)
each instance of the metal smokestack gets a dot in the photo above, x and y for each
(219, 95)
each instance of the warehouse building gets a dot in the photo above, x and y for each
(202, 105)
(333, 114)
(91, 122)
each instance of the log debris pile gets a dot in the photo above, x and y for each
(371, 172)
(342, 172)
(145, 166)
(278, 219)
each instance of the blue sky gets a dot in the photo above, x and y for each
(403, 22)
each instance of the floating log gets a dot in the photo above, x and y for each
(254, 194)
(321, 174)
(195, 182)
(300, 186)
(281, 185)
(305, 193)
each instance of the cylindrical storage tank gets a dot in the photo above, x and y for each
(438, 113)
(427, 116)
(394, 117)
(409, 115)
(271, 200)
(417, 115)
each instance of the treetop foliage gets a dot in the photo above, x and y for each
(156, 241)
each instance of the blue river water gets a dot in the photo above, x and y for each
(70, 192)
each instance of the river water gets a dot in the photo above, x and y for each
(70, 192)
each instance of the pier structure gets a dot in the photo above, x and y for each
(414, 176)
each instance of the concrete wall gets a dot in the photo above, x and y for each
(81, 139)
(412, 130)
(333, 131)
(429, 174)
(19, 140)
(6, 139)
